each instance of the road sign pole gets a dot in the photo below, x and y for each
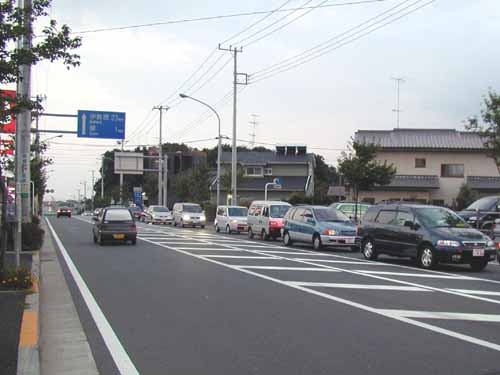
(121, 188)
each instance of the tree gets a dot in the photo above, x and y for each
(465, 197)
(194, 184)
(490, 129)
(324, 176)
(361, 171)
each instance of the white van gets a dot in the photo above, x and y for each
(188, 214)
(265, 218)
(231, 219)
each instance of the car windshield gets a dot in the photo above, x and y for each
(439, 217)
(237, 211)
(135, 209)
(118, 215)
(160, 209)
(330, 214)
(192, 208)
(483, 204)
(278, 211)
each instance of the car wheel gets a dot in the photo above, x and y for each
(182, 224)
(287, 241)
(175, 223)
(263, 235)
(134, 241)
(100, 241)
(250, 233)
(95, 238)
(202, 227)
(217, 229)
(478, 265)
(426, 257)
(317, 244)
(228, 229)
(368, 249)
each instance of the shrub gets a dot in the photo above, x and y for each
(465, 197)
(32, 236)
(17, 278)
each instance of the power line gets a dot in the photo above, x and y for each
(209, 18)
(277, 68)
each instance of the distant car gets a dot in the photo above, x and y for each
(189, 214)
(320, 226)
(349, 208)
(482, 213)
(114, 225)
(136, 212)
(265, 218)
(158, 215)
(495, 235)
(428, 234)
(63, 211)
(231, 219)
(96, 211)
(87, 213)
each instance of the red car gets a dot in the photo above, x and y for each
(64, 211)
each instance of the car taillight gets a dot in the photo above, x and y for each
(273, 223)
(59, 211)
(498, 245)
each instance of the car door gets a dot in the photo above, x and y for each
(308, 224)
(404, 237)
(295, 220)
(384, 231)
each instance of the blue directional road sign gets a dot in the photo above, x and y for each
(97, 124)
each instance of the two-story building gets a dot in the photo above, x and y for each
(290, 163)
(431, 164)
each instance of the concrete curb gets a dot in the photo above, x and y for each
(28, 356)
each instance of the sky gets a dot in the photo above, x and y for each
(446, 52)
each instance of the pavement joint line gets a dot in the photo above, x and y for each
(436, 329)
(494, 318)
(360, 286)
(118, 353)
(367, 274)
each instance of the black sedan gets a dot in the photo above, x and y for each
(63, 211)
(114, 224)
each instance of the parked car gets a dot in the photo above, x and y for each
(265, 218)
(428, 234)
(189, 214)
(63, 211)
(482, 213)
(114, 224)
(495, 235)
(231, 219)
(158, 215)
(137, 212)
(319, 226)
(348, 208)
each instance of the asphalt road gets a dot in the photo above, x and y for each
(190, 301)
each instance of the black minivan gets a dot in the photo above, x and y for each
(428, 234)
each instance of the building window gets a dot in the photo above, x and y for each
(420, 163)
(253, 171)
(268, 171)
(452, 170)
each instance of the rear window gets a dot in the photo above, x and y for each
(483, 204)
(192, 208)
(278, 211)
(118, 215)
(330, 214)
(237, 211)
(370, 214)
(160, 209)
(386, 217)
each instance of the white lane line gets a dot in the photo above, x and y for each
(341, 261)
(205, 249)
(285, 252)
(263, 246)
(447, 332)
(407, 274)
(153, 238)
(361, 286)
(118, 353)
(476, 292)
(177, 242)
(443, 315)
(238, 257)
(286, 268)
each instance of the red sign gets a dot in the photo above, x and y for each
(10, 126)
(6, 147)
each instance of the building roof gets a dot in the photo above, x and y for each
(411, 182)
(269, 157)
(428, 139)
(484, 182)
(289, 183)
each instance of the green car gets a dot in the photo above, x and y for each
(348, 209)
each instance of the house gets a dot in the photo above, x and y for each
(290, 163)
(431, 164)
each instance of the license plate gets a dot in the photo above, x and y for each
(478, 252)
(349, 240)
(118, 236)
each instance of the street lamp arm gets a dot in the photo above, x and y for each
(184, 96)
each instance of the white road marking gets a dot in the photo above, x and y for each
(341, 261)
(476, 292)
(443, 315)
(285, 252)
(459, 336)
(238, 257)
(286, 268)
(361, 286)
(177, 242)
(118, 353)
(205, 249)
(407, 274)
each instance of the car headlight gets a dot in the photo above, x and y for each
(234, 221)
(448, 243)
(185, 217)
(203, 218)
(472, 218)
(490, 244)
(330, 232)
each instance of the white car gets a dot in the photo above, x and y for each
(231, 219)
(158, 215)
(189, 214)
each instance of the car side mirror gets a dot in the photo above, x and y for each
(409, 224)
(311, 221)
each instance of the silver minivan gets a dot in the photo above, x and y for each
(265, 218)
(231, 219)
(188, 214)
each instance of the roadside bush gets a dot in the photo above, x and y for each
(32, 235)
(17, 278)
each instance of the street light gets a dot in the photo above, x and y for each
(48, 139)
(219, 146)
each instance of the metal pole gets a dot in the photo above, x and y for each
(165, 178)
(234, 158)
(160, 167)
(92, 194)
(32, 186)
(102, 181)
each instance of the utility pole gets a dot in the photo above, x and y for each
(165, 180)
(160, 156)
(397, 110)
(92, 195)
(23, 134)
(254, 123)
(234, 157)
(121, 179)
